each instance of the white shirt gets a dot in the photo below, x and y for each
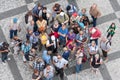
(59, 63)
(48, 42)
(50, 72)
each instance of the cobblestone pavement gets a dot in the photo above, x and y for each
(17, 70)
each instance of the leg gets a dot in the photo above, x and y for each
(3, 57)
(15, 32)
(61, 74)
(27, 56)
(108, 35)
(94, 21)
(11, 34)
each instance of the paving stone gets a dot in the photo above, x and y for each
(82, 76)
(6, 5)
(114, 69)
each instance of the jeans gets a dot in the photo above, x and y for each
(26, 56)
(78, 67)
(13, 33)
(62, 41)
(4, 56)
(94, 21)
(48, 79)
(60, 71)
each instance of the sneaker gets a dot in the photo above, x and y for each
(8, 59)
(3, 63)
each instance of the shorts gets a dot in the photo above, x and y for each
(104, 53)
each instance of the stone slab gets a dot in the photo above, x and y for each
(6, 5)
(114, 69)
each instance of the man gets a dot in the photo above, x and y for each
(48, 72)
(46, 56)
(60, 64)
(14, 28)
(63, 31)
(4, 51)
(95, 13)
(105, 46)
(62, 18)
(52, 44)
(26, 47)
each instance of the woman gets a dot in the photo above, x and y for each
(43, 37)
(36, 75)
(93, 49)
(111, 30)
(41, 24)
(54, 29)
(95, 62)
(79, 56)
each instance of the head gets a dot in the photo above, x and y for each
(44, 9)
(32, 22)
(81, 32)
(104, 39)
(38, 60)
(63, 26)
(5, 45)
(15, 20)
(36, 71)
(40, 18)
(27, 42)
(97, 56)
(56, 23)
(71, 31)
(65, 49)
(93, 43)
(113, 25)
(48, 66)
(59, 56)
(15, 38)
(83, 10)
(29, 13)
(39, 6)
(62, 13)
(49, 52)
(94, 6)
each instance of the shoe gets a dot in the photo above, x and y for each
(3, 63)
(8, 59)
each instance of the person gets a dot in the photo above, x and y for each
(95, 62)
(63, 31)
(66, 53)
(79, 56)
(95, 34)
(35, 11)
(17, 46)
(46, 56)
(28, 17)
(39, 65)
(36, 75)
(54, 29)
(93, 48)
(45, 14)
(82, 12)
(43, 37)
(52, 44)
(14, 28)
(48, 72)
(80, 38)
(95, 13)
(25, 48)
(62, 18)
(111, 30)
(4, 50)
(105, 47)
(41, 24)
(60, 64)
(70, 36)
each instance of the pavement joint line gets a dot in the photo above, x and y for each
(28, 1)
(115, 5)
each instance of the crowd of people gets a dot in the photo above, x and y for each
(55, 37)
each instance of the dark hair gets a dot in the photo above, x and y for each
(5, 44)
(44, 8)
(68, 7)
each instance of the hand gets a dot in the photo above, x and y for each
(6, 50)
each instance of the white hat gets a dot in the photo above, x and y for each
(93, 30)
(52, 37)
(62, 13)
